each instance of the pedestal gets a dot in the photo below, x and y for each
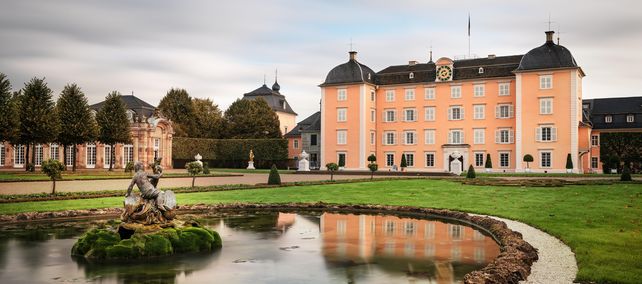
(304, 166)
(250, 165)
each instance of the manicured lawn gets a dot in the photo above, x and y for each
(601, 223)
(97, 175)
(246, 171)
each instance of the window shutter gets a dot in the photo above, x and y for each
(511, 136)
(510, 111)
(538, 134)
(450, 137)
(497, 111)
(462, 140)
(553, 133)
(450, 113)
(498, 134)
(461, 113)
(384, 117)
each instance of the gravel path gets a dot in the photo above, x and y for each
(556, 262)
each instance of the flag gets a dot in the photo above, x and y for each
(468, 24)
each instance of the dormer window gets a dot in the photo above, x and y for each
(369, 76)
(481, 70)
(608, 119)
(411, 75)
(630, 118)
(283, 104)
(130, 115)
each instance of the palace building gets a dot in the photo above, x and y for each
(456, 113)
(151, 138)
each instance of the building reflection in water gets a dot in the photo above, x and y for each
(432, 249)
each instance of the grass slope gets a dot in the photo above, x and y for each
(601, 223)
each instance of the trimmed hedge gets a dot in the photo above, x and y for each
(230, 153)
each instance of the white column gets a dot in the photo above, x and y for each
(574, 121)
(518, 123)
(362, 127)
(322, 139)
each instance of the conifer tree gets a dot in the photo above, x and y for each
(113, 125)
(9, 120)
(77, 124)
(38, 120)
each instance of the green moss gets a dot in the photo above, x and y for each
(157, 245)
(94, 243)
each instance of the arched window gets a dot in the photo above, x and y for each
(412, 75)
(481, 70)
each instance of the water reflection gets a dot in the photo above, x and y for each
(265, 247)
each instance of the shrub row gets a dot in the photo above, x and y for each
(231, 153)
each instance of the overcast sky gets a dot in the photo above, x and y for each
(221, 50)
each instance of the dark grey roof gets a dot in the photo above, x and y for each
(138, 106)
(547, 56)
(273, 97)
(618, 109)
(310, 124)
(499, 66)
(350, 72)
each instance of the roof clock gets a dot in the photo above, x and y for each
(444, 70)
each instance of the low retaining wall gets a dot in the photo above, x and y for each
(511, 266)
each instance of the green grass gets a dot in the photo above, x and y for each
(93, 175)
(601, 223)
(246, 171)
(484, 174)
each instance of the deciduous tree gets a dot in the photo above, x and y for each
(113, 123)
(251, 119)
(208, 119)
(177, 106)
(9, 120)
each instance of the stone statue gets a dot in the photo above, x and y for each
(251, 156)
(152, 206)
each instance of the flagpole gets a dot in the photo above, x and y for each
(468, 35)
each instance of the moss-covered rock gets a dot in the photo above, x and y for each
(105, 244)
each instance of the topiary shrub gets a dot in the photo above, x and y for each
(626, 173)
(53, 169)
(404, 163)
(274, 178)
(528, 159)
(569, 162)
(471, 172)
(489, 162)
(332, 167)
(372, 158)
(373, 168)
(194, 168)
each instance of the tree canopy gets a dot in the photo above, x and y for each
(113, 123)
(254, 119)
(208, 119)
(38, 119)
(77, 123)
(9, 119)
(177, 106)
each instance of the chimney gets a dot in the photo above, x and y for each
(491, 56)
(549, 36)
(412, 62)
(353, 55)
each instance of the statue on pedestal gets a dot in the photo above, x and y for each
(250, 163)
(152, 206)
(304, 164)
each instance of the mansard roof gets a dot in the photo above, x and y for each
(618, 109)
(138, 106)
(311, 124)
(273, 97)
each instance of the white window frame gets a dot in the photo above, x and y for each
(373, 115)
(3, 156)
(69, 161)
(342, 94)
(389, 159)
(39, 154)
(90, 155)
(429, 93)
(429, 113)
(479, 136)
(595, 162)
(499, 136)
(390, 95)
(479, 111)
(504, 89)
(539, 133)
(426, 160)
(345, 157)
(385, 115)
(451, 112)
(373, 96)
(500, 159)
(389, 138)
(499, 113)
(107, 156)
(475, 161)
(128, 154)
(545, 82)
(19, 156)
(407, 134)
(479, 90)
(460, 135)
(295, 144)
(429, 136)
(630, 118)
(342, 114)
(54, 151)
(405, 115)
(409, 94)
(595, 140)
(342, 137)
(158, 149)
(608, 118)
(550, 159)
(410, 159)
(545, 106)
(455, 92)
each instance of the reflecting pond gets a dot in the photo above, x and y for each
(265, 247)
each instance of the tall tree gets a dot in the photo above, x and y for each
(251, 119)
(9, 120)
(209, 119)
(177, 106)
(38, 120)
(77, 124)
(113, 125)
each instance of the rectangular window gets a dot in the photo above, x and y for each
(342, 137)
(479, 135)
(430, 159)
(389, 115)
(54, 152)
(504, 89)
(409, 115)
(409, 137)
(504, 136)
(342, 94)
(479, 90)
(341, 156)
(455, 113)
(91, 155)
(546, 134)
(595, 140)
(373, 96)
(429, 113)
(372, 137)
(313, 140)
(342, 114)
(373, 115)
(504, 111)
(429, 93)
(429, 136)
(390, 96)
(594, 162)
(389, 138)
(545, 159)
(456, 136)
(2, 155)
(19, 156)
(608, 119)
(39, 155)
(455, 92)
(479, 111)
(630, 118)
(546, 106)
(410, 159)
(546, 81)
(479, 159)
(390, 160)
(410, 95)
(295, 144)
(69, 160)
(128, 154)
(504, 159)
(107, 157)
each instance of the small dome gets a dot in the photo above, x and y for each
(350, 72)
(276, 87)
(549, 55)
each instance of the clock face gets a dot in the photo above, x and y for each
(444, 73)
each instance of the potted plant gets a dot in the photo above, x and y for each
(569, 164)
(528, 159)
(489, 164)
(403, 164)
